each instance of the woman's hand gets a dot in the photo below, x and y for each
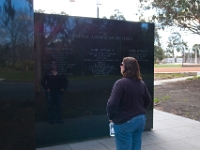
(111, 121)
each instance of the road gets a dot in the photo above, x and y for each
(181, 69)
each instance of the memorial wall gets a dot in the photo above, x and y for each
(17, 111)
(88, 52)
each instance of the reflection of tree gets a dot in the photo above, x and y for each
(82, 40)
(9, 27)
(30, 2)
(17, 28)
(58, 31)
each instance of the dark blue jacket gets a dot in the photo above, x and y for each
(128, 99)
(54, 82)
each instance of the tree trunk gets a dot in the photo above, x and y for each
(195, 60)
(39, 45)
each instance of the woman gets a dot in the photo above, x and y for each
(127, 105)
(54, 84)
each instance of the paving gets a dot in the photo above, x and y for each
(159, 82)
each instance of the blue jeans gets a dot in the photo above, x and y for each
(128, 136)
(54, 105)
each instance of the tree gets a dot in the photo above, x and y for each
(156, 38)
(117, 15)
(176, 43)
(183, 13)
(158, 53)
(63, 13)
(142, 10)
(39, 11)
(173, 42)
(196, 47)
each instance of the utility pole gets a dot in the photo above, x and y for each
(98, 3)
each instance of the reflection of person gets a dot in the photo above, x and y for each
(127, 105)
(55, 84)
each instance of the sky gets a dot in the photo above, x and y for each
(88, 8)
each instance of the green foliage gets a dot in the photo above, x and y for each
(39, 11)
(169, 75)
(16, 75)
(157, 41)
(165, 98)
(156, 100)
(26, 65)
(117, 15)
(158, 53)
(63, 13)
(196, 47)
(175, 43)
(184, 13)
(31, 65)
(194, 78)
(186, 114)
(18, 66)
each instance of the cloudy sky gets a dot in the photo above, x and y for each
(88, 8)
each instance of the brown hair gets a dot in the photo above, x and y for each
(131, 68)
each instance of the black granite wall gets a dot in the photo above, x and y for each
(17, 113)
(88, 52)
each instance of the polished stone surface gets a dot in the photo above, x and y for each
(89, 52)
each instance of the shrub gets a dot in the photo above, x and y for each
(18, 66)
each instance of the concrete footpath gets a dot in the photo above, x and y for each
(159, 82)
(170, 132)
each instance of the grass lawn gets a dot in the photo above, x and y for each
(16, 75)
(160, 76)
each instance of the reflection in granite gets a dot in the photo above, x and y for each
(17, 112)
(88, 52)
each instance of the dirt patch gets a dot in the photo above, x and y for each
(180, 98)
